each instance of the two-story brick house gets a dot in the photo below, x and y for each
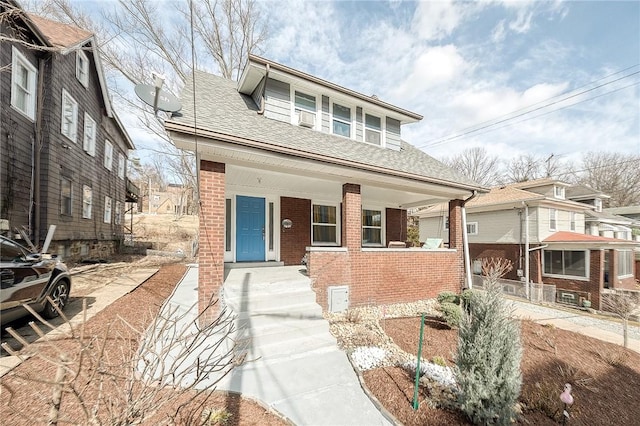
(294, 166)
(534, 222)
(64, 150)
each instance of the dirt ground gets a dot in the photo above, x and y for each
(605, 377)
(167, 232)
(27, 390)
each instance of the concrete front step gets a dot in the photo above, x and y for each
(268, 288)
(256, 302)
(299, 310)
(302, 346)
(267, 329)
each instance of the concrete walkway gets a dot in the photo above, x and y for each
(608, 330)
(292, 363)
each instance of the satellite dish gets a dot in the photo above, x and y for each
(165, 102)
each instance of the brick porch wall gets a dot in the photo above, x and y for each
(211, 251)
(294, 241)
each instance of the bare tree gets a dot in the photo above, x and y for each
(523, 168)
(168, 379)
(477, 164)
(615, 174)
(623, 304)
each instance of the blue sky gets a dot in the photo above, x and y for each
(464, 65)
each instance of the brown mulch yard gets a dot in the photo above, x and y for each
(605, 377)
(26, 400)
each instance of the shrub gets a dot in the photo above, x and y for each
(451, 313)
(448, 297)
(488, 357)
(439, 360)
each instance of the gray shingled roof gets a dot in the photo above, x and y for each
(222, 109)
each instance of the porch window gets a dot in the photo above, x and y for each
(371, 227)
(65, 196)
(271, 220)
(372, 129)
(325, 224)
(341, 120)
(553, 219)
(227, 224)
(625, 263)
(570, 263)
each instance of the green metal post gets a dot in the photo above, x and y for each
(415, 389)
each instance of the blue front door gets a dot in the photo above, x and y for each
(250, 229)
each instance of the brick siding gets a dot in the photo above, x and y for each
(294, 241)
(212, 223)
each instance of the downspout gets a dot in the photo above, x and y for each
(465, 239)
(37, 147)
(264, 90)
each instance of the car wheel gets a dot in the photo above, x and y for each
(60, 296)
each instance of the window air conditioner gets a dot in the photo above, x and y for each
(306, 119)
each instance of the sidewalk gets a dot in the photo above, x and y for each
(578, 322)
(99, 300)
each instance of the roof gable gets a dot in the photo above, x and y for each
(59, 34)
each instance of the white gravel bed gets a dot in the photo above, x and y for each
(578, 318)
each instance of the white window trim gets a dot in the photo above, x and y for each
(598, 204)
(86, 215)
(82, 72)
(383, 218)
(17, 58)
(121, 166)
(318, 112)
(352, 110)
(475, 227)
(108, 207)
(108, 147)
(338, 223)
(90, 146)
(73, 137)
(631, 264)
(382, 131)
(572, 221)
(554, 221)
(559, 192)
(570, 277)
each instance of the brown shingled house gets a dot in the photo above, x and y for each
(64, 150)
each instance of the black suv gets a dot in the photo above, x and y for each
(28, 277)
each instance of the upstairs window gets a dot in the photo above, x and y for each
(69, 116)
(120, 166)
(558, 192)
(108, 155)
(305, 109)
(553, 219)
(372, 129)
(23, 84)
(325, 224)
(82, 68)
(87, 201)
(472, 228)
(65, 196)
(89, 141)
(107, 209)
(573, 221)
(371, 227)
(598, 203)
(341, 120)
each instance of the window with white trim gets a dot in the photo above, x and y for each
(120, 165)
(89, 138)
(625, 263)
(446, 223)
(82, 68)
(372, 129)
(371, 227)
(567, 263)
(118, 213)
(69, 116)
(107, 209)
(573, 221)
(341, 120)
(306, 104)
(23, 84)
(324, 224)
(65, 196)
(108, 155)
(472, 228)
(87, 201)
(598, 203)
(553, 219)
(558, 192)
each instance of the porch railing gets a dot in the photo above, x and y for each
(539, 293)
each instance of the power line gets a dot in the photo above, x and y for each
(528, 110)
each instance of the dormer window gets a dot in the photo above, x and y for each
(598, 203)
(373, 129)
(341, 120)
(82, 68)
(559, 192)
(305, 109)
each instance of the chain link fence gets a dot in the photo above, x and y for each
(540, 293)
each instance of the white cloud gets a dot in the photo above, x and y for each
(499, 33)
(522, 23)
(435, 20)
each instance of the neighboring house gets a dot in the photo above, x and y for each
(64, 150)
(294, 166)
(175, 199)
(538, 215)
(632, 213)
